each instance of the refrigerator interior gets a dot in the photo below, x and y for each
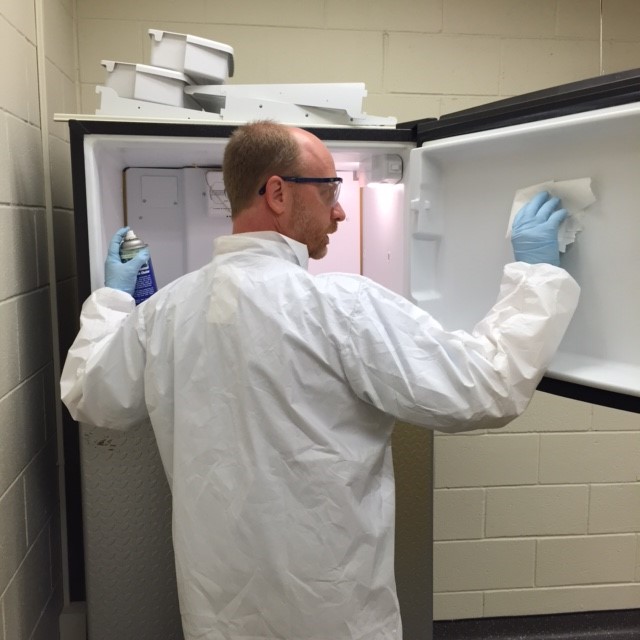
(169, 190)
(463, 187)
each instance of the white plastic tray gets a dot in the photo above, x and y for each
(149, 83)
(345, 96)
(204, 61)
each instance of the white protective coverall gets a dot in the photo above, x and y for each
(272, 394)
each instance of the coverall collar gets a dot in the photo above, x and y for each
(266, 242)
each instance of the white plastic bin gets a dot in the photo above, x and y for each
(204, 61)
(149, 83)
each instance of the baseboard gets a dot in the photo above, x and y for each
(593, 625)
(73, 622)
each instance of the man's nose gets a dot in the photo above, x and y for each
(337, 213)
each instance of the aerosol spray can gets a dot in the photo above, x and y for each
(146, 280)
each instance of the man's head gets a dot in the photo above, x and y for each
(282, 179)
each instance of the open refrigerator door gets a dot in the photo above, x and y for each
(463, 187)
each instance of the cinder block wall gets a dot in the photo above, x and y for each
(540, 517)
(418, 58)
(543, 516)
(38, 76)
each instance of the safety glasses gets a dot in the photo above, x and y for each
(334, 183)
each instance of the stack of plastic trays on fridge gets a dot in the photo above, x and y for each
(157, 90)
(186, 80)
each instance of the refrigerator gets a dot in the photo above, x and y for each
(428, 206)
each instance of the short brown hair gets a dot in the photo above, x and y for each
(255, 152)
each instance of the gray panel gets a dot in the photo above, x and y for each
(413, 467)
(130, 572)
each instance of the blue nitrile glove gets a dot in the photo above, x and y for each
(122, 275)
(534, 233)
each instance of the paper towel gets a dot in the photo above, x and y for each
(576, 196)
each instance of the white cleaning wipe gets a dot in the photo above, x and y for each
(576, 196)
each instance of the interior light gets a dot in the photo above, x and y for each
(383, 169)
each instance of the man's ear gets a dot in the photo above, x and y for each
(275, 195)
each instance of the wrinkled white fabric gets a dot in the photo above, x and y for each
(272, 394)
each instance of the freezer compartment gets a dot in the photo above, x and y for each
(179, 211)
(461, 190)
(169, 190)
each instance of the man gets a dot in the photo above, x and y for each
(273, 393)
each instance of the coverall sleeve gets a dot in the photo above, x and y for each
(102, 381)
(401, 360)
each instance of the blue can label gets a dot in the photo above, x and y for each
(145, 283)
